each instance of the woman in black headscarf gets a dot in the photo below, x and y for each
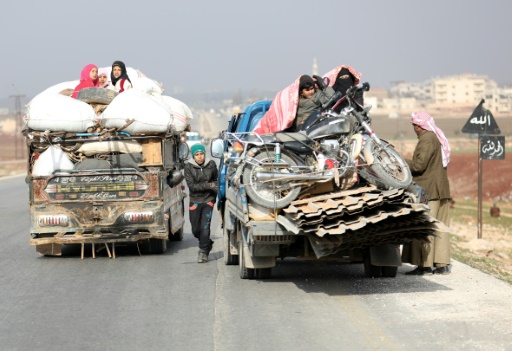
(345, 79)
(119, 77)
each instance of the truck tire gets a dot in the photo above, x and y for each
(264, 273)
(178, 236)
(245, 273)
(157, 246)
(96, 95)
(265, 194)
(389, 272)
(229, 259)
(370, 271)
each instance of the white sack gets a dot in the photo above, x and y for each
(102, 147)
(147, 85)
(180, 111)
(58, 112)
(59, 87)
(149, 115)
(50, 160)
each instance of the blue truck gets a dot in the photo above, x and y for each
(362, 224)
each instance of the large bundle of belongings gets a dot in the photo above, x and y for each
(99, 113)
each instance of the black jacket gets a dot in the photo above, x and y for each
(200, 179)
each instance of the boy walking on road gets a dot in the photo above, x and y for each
(201, 176)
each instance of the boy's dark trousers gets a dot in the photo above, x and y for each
(200, 219)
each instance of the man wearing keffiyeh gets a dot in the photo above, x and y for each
(429, 169)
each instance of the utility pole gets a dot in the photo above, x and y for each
(18, 142)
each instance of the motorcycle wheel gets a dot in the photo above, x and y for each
(389, 169)
(271, 194)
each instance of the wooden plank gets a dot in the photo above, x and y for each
(151, 152)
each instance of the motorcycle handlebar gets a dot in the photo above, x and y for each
(350, 92)
(361, 86)
(335, 97)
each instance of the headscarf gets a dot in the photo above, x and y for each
(85, 80)
(104, 71)
(85, 74)
(124, 74)
(425, 121)
(344, 80)
(334, 73)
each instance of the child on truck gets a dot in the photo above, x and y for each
(88, 79)
(310, 99)
(119, 77)
(201, 176)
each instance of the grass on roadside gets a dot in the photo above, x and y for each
(484, 264)
(466, 212)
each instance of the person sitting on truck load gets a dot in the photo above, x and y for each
(88, 79)
(342, 78)
(201, 177)
(310, 99)
(104, 81)
(119, 77)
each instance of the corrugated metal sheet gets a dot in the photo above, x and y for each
(359, 217)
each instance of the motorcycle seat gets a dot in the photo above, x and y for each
(282, 137)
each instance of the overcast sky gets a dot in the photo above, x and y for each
(227, 45)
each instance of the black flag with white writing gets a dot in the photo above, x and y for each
(492, 148)
(481, 122)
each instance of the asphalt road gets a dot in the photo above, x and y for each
(170, 302)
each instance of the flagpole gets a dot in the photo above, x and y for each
(479, 225)
(481, 122)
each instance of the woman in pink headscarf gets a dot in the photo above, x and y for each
(88, 79)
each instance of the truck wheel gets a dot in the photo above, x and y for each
(264, 273)
(389, 272)
(178, 236)
(157, 246)
(245, 273)
(229, 259)
(96, 95)
(370, 271)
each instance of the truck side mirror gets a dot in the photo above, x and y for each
(183, 151)
(217, 147)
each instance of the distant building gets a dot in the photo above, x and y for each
(466, 89)
(452, 94)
